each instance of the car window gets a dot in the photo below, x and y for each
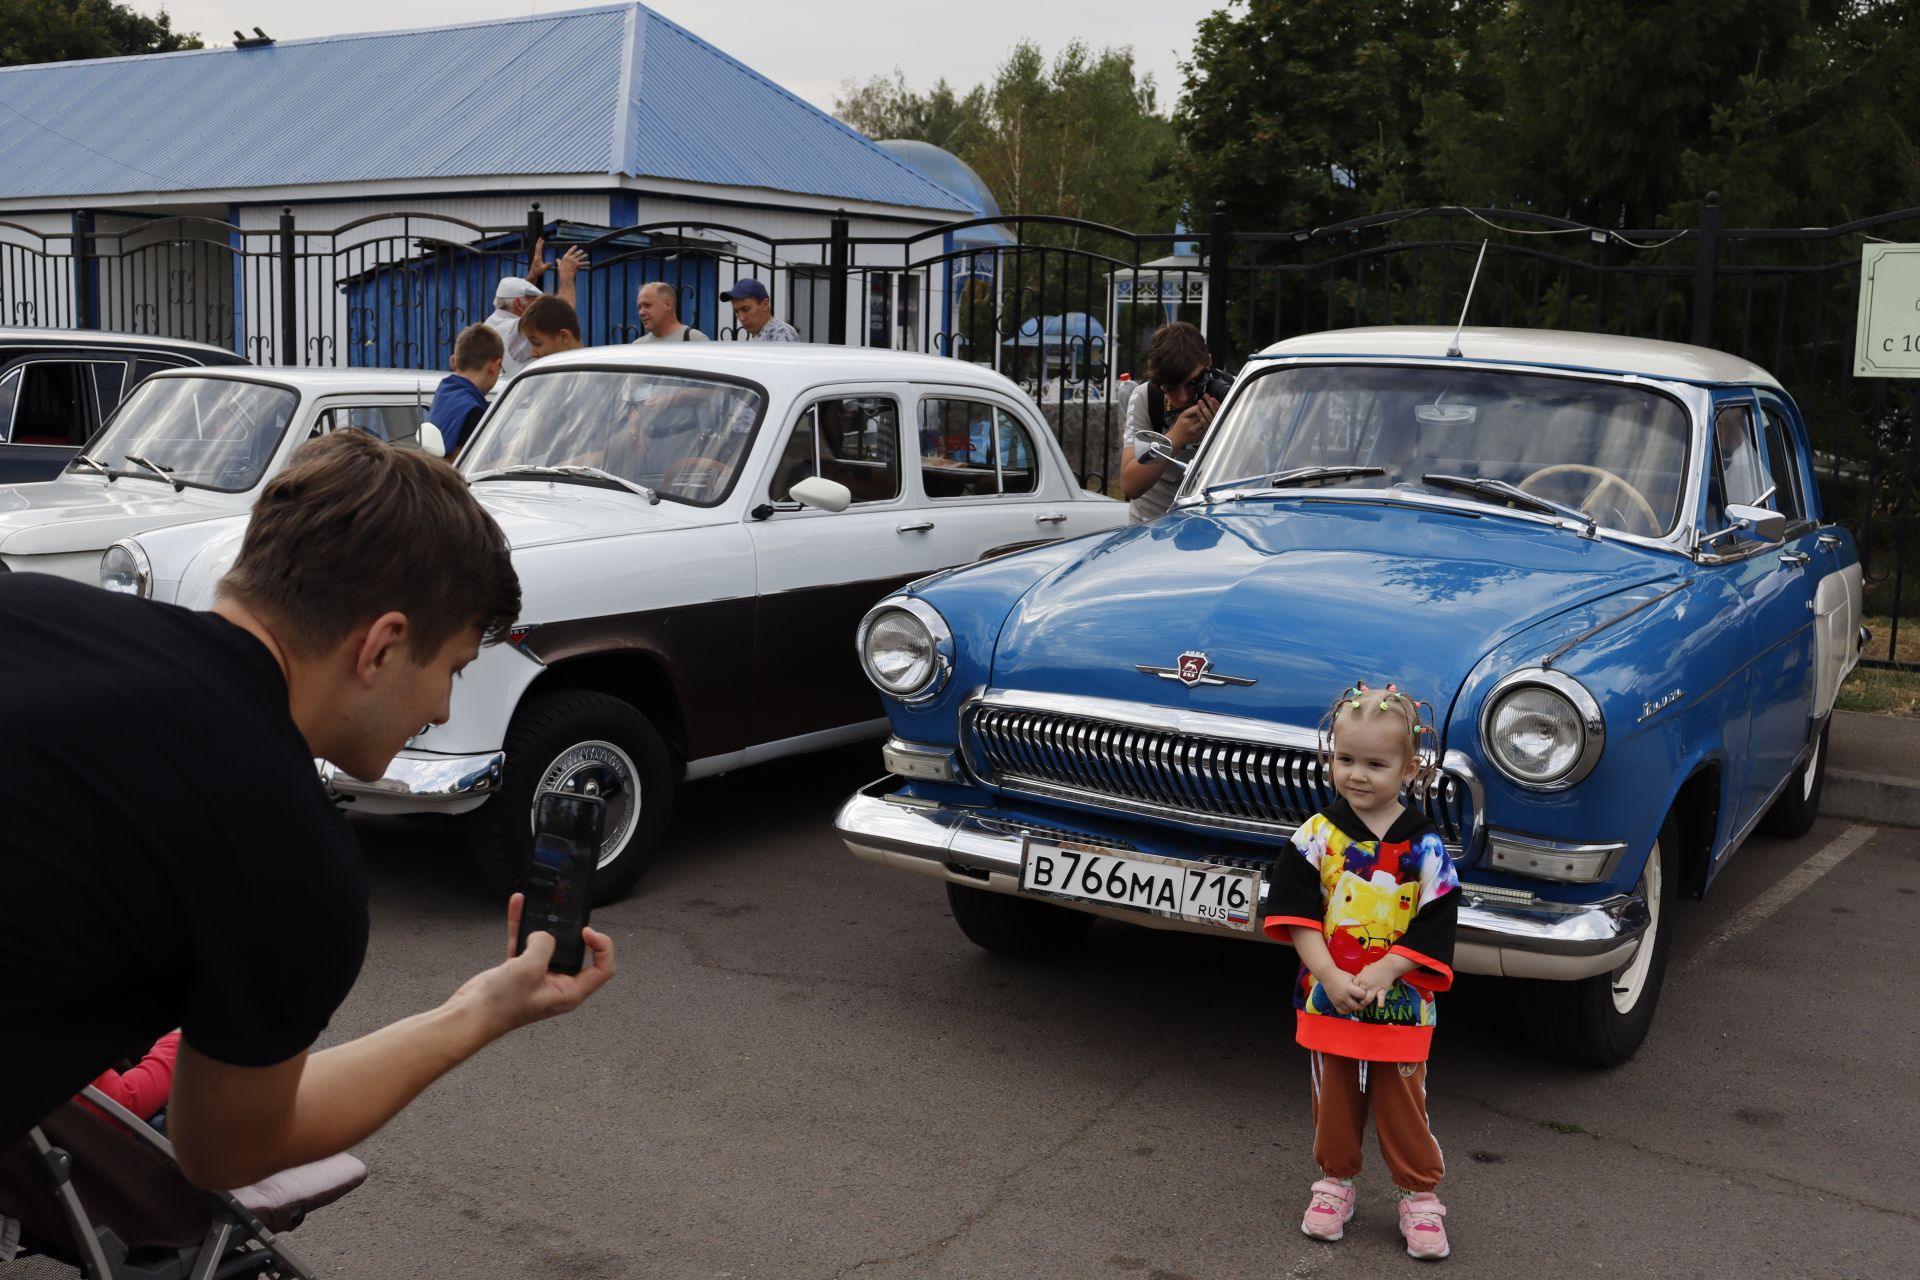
(141, 368)
(214, 433)
(680, 435)
(395, 423)
(52, 404)
(970, 447)
(854, 440)
(1782, 463)
(9, 392)
(109, 379)
(1615, 451)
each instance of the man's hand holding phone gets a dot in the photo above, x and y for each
(522, 989)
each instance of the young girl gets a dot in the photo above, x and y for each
(1368, 897)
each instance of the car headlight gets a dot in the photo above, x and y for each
(906, 648)
(124, 568)
(1542, 729)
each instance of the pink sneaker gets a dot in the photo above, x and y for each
(1332, 1205)
(1420, 1224)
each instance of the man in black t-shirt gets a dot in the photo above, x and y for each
(168, 855)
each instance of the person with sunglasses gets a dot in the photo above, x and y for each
(1171, 401)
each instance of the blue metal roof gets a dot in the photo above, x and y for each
(614, 90)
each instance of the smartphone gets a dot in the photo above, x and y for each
(559, 880)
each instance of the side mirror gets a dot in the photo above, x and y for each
(1153, 444)
(821, 494)
(431, 441)
(1759, 522)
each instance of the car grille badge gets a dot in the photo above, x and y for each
(1193, 668)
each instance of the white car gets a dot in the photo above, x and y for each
(698, 530)
(192, 445)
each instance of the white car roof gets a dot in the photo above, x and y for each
(1550, 348)
(104, 338)
(784, 367)
(315, 382)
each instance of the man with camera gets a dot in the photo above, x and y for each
(1179, 398)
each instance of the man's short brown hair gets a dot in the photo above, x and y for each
(476, 346)
(354, 528)
(549, 316)
(1175, 353)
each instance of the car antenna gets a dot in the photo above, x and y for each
(1453, 347)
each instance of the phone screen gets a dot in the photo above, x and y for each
(559, 879)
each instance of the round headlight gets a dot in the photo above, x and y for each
(124, 568)
(906, 649)
(1542, 729)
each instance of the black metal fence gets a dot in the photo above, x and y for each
(1064, 307)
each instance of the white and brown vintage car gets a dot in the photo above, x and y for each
(698, 531)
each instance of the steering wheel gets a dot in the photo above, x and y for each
(697, 477)
(1607, 480)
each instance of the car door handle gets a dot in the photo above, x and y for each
(1794, 557)
(1051, 517)
(919, 527)
(1829, 540)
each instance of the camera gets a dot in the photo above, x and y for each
(1210, 382)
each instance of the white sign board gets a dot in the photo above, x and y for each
(1888, 345)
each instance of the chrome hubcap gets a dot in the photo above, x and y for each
(603, 769)
(1631, 981)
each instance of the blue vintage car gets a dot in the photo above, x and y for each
(1603, 560)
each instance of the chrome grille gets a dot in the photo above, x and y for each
(1221, 781)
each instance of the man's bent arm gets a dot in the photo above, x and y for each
(234, 1125)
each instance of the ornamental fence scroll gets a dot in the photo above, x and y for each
(1062, 306)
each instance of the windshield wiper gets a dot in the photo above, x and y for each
(1511, 493)
(1298, 475)
(164, 472)
(89, 460)
(569, 473)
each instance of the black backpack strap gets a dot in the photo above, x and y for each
(1156, 408)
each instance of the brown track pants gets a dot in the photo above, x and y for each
(1396, 1092)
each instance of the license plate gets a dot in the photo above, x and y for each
(1227, 897)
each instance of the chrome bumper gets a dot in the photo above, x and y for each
(1501, 932)
(419, 781)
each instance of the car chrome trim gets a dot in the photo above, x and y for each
(1539, 858)
(1620, 617)
(943, 648)
(423, 778)
(1593, 723)
(918, 761)
(1501, 931)
(1198, 768)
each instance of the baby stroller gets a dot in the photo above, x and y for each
(96, 1188)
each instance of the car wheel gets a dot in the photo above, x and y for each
(1600, 1021)
(1019, 928)
(1793, 813)
(563, 742)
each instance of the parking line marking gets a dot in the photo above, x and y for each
(1791, 886)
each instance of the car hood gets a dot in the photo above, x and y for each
(1303, 601)
(84, 513)
(534, 513)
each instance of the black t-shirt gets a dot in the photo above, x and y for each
(168, 856)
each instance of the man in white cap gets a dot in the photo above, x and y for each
(513, 295)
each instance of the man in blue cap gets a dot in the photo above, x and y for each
(753, 311)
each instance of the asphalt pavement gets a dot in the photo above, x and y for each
(803, 1070)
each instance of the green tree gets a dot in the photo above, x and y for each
(887, 108)
(68, 30)
(1299, 113)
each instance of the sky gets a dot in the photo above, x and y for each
(808, 46)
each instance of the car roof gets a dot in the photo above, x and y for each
(1543, 348)
(784, 365)
(318, 381)
(100, 338)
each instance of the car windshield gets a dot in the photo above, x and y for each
(212, 433)
(682, 437)
(1613, 452)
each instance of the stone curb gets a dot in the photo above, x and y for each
(1871, 797)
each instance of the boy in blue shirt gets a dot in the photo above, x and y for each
(462, 396)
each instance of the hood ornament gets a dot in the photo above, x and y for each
(1193, 668)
